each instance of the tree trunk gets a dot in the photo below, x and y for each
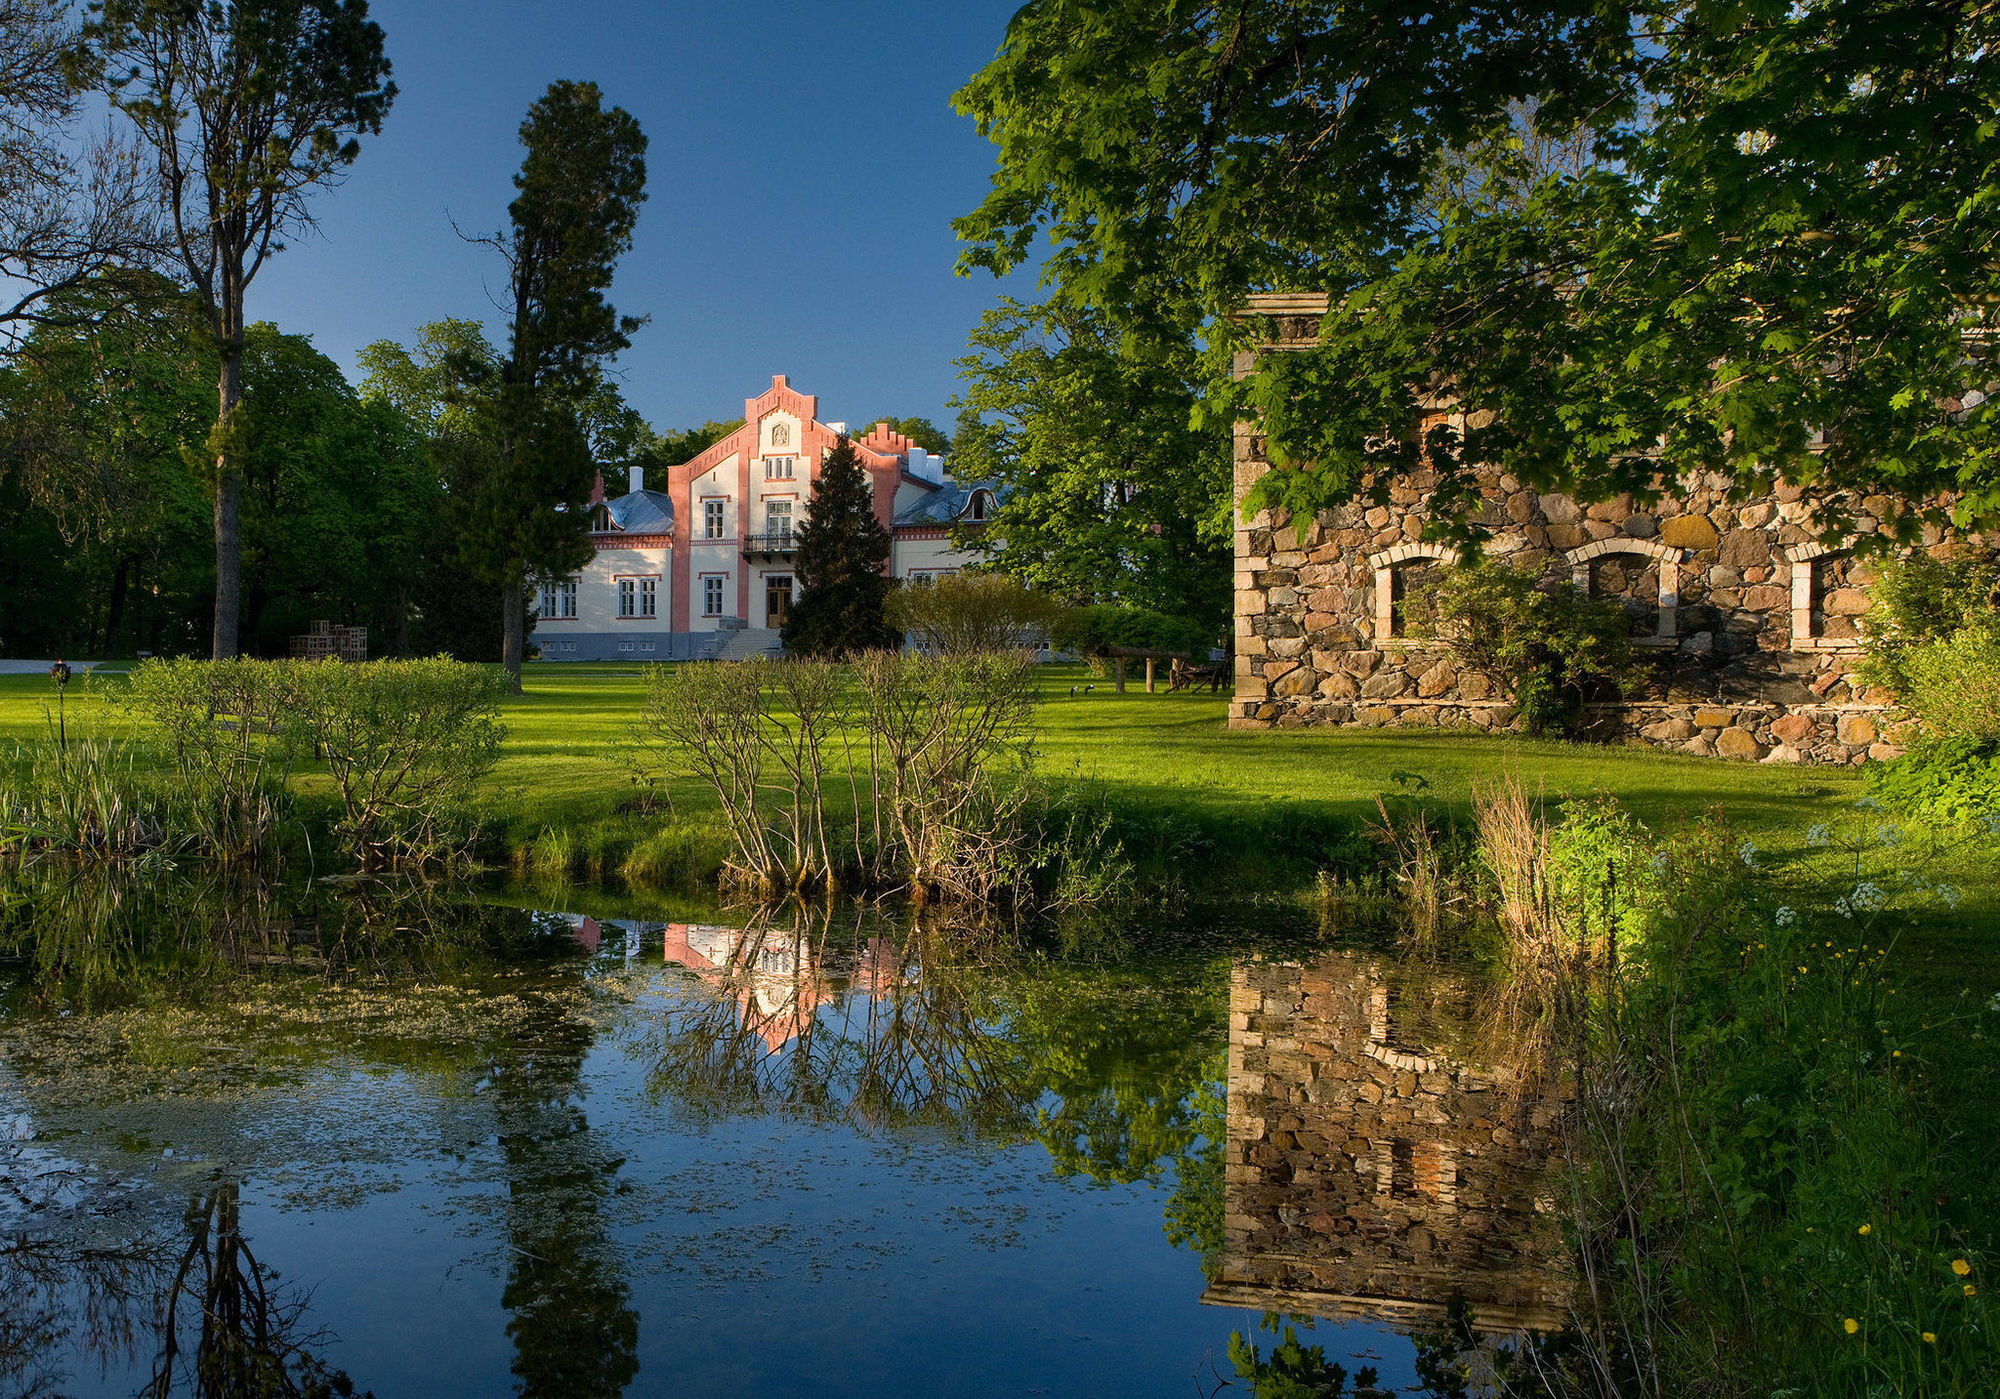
(228, 494)
(513, 632)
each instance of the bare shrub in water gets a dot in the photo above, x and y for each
(756, 733)
(929, 744)
(941, 731)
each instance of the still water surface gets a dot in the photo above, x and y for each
(431, 1145)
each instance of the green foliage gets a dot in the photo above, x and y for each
(406, 742)
(966, 612)
(1952, 686)
(1293, 1371)
(1553, 648)
(841, 565)
(1090, 631)
(87, 796)
(1601, 873)
(1110, 496)
(1920, 600)
(1952, 781)
(111, 545)
(1757, 258)
(222, 723)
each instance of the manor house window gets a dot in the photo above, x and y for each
(557, 601)
(711, 519)
(778, 468)
(1644, 574)
(638, 597)
(711, 595)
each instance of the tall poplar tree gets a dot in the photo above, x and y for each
(248, 105)
(580, 188)
(843, 553)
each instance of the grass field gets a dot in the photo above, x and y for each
(567, 760)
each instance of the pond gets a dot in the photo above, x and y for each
(428, 1142)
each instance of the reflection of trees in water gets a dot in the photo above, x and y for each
(99, 934)
(875, 1030)
(571, 1318)
(227, 1329)
(193, 1307)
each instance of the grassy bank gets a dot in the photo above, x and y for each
(1231, 814)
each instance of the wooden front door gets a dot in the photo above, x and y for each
(777, 598)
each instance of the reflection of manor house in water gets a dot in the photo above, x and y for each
(777, 978)
(1368, 1176)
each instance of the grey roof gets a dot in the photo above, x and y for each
(945, 504)
(642, 512)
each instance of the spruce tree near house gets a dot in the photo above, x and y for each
(248, 104)
(580, 185)
(841, 566)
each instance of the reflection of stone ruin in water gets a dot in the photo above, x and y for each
(1369, 1176)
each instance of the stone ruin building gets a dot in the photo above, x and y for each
(1752, 624)
(1370, 1175)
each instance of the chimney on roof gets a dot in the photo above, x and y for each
(597, 489)
(636, 475)
(779, 381)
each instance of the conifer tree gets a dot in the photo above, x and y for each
(841, 566)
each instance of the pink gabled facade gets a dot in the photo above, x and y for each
(708, 553)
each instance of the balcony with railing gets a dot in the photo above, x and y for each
(771, 544)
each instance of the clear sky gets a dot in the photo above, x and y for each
(804, 168)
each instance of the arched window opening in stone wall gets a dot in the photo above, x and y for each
(1644, 574)
(1403, 573)
(1829, 597)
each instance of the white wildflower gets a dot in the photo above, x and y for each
(1785, 917)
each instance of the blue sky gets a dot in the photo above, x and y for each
(804, 168)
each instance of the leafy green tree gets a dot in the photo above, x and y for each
(1774, 262)
(580, 187)
(842, 565)
(444, 386)
(1110, 495)
(673, 448)
(248, 104)
(339, 502)
(108, 536)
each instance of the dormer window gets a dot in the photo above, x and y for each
(981, 501)
(600, 519)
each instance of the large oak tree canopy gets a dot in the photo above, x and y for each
(1779, 258)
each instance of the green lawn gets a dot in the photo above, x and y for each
(566, 759)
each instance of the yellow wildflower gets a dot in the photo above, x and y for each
(1930, 1338)
(1851, 1325)
(1960, 1266)
(1865, 1229)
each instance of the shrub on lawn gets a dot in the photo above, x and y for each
(965, 613)
(1934, 640)
(1553, 648)
(406, 743)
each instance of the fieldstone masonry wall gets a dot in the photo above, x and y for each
(1751, 624)
(1369, 1175)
